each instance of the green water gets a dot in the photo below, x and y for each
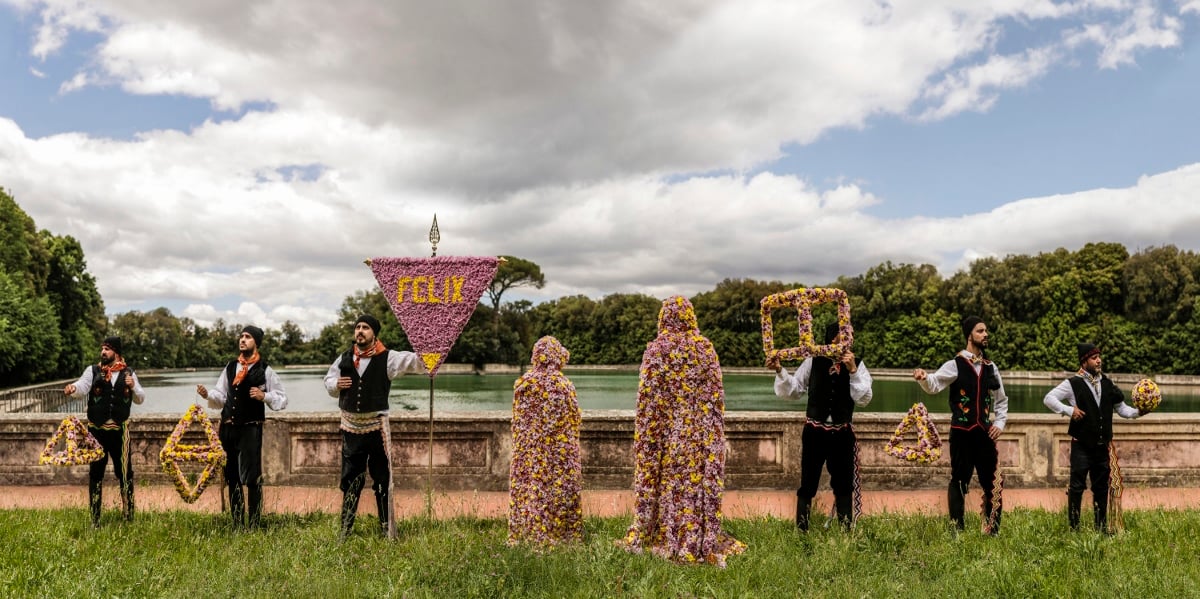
(174, 392)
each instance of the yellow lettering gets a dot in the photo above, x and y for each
(400, 289)
(417, 297)
(433, 299)
(458, 285)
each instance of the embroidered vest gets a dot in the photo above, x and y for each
(971, 395)
(240, 408)
(109, 401)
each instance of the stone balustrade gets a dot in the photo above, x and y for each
(471, 450)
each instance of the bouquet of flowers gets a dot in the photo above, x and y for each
(1146, 395)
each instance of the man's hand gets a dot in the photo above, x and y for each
(773, 363)
(344, 382)
(129, 382)
(257, 394)
(69, 389)
(994, 432)
(1077, 414)
(202, 391)
(848, 361)
(919, 374)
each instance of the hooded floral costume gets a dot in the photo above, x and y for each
(679, 445)
(545, 477)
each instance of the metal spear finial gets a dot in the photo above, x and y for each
(434, 235)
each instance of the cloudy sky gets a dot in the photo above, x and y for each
(241, 158)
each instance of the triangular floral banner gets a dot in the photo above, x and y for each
(929, 445)
(433, 298)
(80, 446)
(211, 454)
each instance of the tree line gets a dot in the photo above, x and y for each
(1140, 308)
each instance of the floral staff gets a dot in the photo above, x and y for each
(210, 454)
(545, 476)
(679, 445)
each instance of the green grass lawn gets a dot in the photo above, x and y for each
(55, 553)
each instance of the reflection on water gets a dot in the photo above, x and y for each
(174, 392)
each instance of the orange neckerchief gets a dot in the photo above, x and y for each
(244, 364)
(378, 348)
(116, 366)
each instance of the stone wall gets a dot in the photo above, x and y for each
(472, 450)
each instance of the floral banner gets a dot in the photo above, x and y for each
(80, 446)
(433, 298)
(803, 300)
(210, 454)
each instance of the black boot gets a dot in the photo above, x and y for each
(1100, 509)
(237, 505)
(844, 504)
(956, 498)
(1074, 502)
(95, 496)
(127, 500)
(803, 506)
(254, 505)
(383, 506)
(350, 507)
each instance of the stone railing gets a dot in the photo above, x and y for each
(472, 450)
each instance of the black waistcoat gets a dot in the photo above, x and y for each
(109, 401)
(1095, 428)
(368, 393)
(829, 394)
(971, 395)
(240, 408)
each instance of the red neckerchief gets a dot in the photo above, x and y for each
(116, 366)
(244, 364)
(374, 350)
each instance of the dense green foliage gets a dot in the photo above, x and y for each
(184, 554)
(1140, 308)
(51, 315)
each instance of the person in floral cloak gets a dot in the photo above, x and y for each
(679, 445)
(545, 477)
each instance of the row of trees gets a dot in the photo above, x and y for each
(1140, 308)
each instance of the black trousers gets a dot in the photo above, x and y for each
(116, 445)
(243, 453)
(829, 448)
(363, 453)
(971, 451)
(1089, 461)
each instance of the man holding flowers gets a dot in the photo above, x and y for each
(834, 389)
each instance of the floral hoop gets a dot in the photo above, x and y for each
(210, 454)
(1146, 395)
(929, 445)
(81, 447)
(804, 299)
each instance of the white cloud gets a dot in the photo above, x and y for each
(37, 73)
(561, 133)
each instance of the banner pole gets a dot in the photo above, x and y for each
(429, 484)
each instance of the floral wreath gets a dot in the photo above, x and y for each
(210, 454)
(929, 444)
(81, 447)
(803, 300)
(1146, 395)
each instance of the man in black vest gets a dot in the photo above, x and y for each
(244, 388)
(361, 379)
(834, 389)
(1089, 398)
(110, 387)
(978, 412)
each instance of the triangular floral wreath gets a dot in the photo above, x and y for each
(929, 445)
(81, 447)
(210, 454)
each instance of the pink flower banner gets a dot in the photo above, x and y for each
(433, 298)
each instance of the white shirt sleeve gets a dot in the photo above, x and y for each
(999, 401)
(218, 392)
(273, 394)
(860, 386)
(332, 376)
(403, 362)
(794, 386)
(84, 384)
(935, 382)
(1061, 399)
